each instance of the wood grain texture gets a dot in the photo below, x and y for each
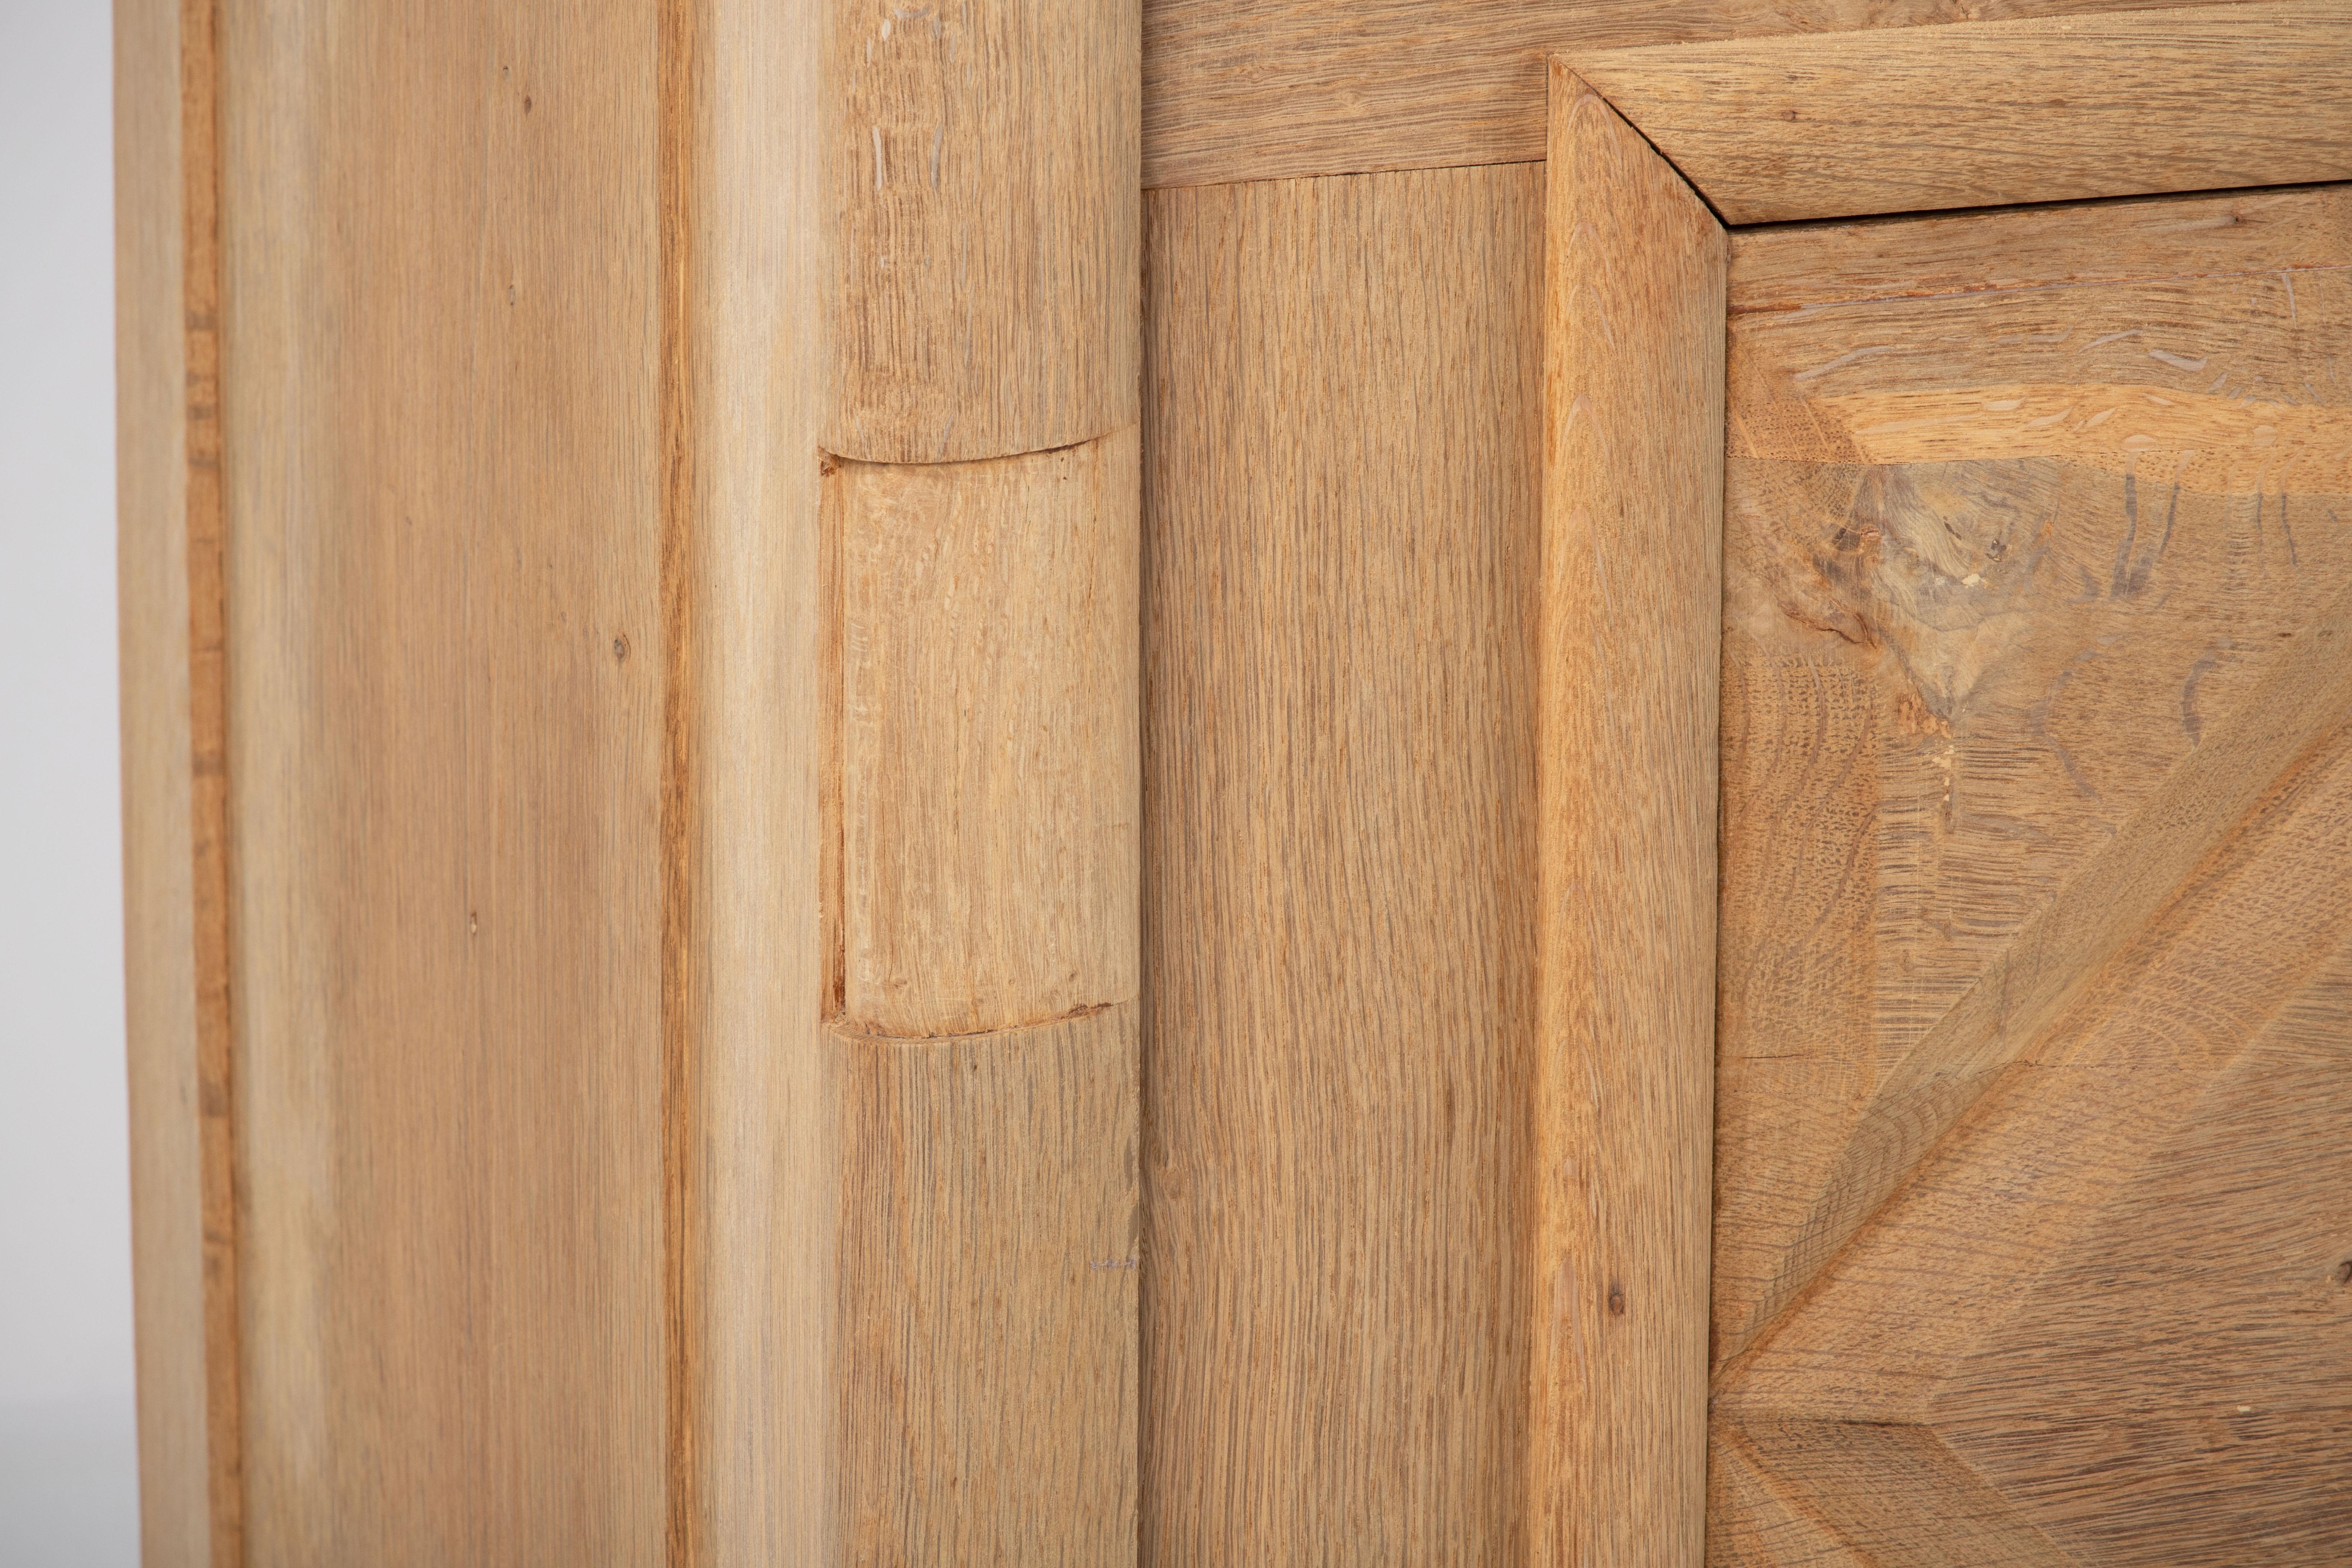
(989, 749)
(1632, 585)
(446, 698)
(175, 845)
(2036, 805)
(1253, 89)
(762, 1394)
(2243, 233)
(989, 1268)
(982, 164)
(1987, 114)
(1341, 445)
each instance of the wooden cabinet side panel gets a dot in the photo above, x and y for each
(446, 693)
(1341, 467)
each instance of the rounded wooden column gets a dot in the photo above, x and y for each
(982, 493)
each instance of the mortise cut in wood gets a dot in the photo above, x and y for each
(1988, 113)
(1632, 577)
(983, 165)
(989, 748)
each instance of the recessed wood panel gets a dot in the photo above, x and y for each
(2035, 816)
(1341, 450)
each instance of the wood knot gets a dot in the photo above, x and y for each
(2344, 1272)
(1616, 1300)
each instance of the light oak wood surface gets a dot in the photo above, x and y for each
(2036, 909)
(445, 700)
(1633, 591)
(1341, 466)
(1788, 268)
(982, 164)
(1255, 89)
(989, 742)
(175, 862)
(987, 1386)
(1992, 112)
(751, 1126)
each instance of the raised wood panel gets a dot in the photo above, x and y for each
(445, 727)
(1626, 728)
(1340, 471)
(989, 738)
(2035, 818)
(1253, 89)
(987, 1385)
(982, 166)
(1988, 113)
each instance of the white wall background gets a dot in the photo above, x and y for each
(68, 1465)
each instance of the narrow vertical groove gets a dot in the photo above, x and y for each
(208, 769)
(683, 981)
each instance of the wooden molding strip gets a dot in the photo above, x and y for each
(1992, 113)
(1631, 612)
(984, 169)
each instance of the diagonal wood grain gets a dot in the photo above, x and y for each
(2302, 701)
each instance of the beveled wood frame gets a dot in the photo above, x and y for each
(1652, 152)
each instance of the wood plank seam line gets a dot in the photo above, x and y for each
(214, 919)
(681, 85)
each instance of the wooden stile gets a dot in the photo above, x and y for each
(1632, 585)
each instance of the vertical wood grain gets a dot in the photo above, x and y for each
(988, 741)
(1341, 459)
(446, 704)
(987, 1380)
(981, 714)
(983, 163)
(1632, 572)
(763, 1176)
(174, 787)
